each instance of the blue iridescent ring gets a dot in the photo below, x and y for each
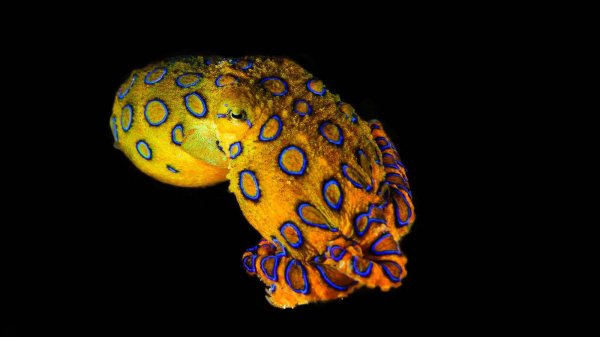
(383, 252)
(255, 197)
(121, 96)
(237, 147)
(172, 169)
(126, 128)
(350, 179)
(357, 219)
(329, 183)
(279, 79)
(397, 211)
(146, 112)
(300, 113)
(339, 142)
(158, 79)
(324, 276)
(144, 144)
(262, 267)
(253, 269)
(333, 254)
(222, 85)
(178, 127)
(261, 137)
(298, 173)
(114, 120)
(244, 68)
(389, 274)
(298, 233)
(362, 273)
(188, 85)
(324, 226)
(383, 147)
(287, 279)
(311, 90)
(191, 110)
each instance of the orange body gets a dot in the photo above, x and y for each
(326, 190)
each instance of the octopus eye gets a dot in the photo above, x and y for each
(241, 115)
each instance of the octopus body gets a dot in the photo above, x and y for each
(326, 190)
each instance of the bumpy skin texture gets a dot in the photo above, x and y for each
(326, 190)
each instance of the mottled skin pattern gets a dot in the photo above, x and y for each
(326, 190)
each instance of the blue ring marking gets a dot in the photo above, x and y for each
(311, 90)
(399, 163)
(140, 143)
(331, 141)
(358, 217)
(322, 272)
(308, 105)
(172, 169)
(114, 119)
(359, 153)
(127, 91)
(146, 112)
(244, 68)
(354, 119)
(395, 175)
(130, 117)
(190, 109)
(152, 72)
(375, 126)
(221, 115)
(363, 273)
(287, 279)
(263, 129)
(397, 211)
(347, 177)
(238, 147)
(253, 270)
(249, 124)
(272, 289)
(276, 78)
(124, 94)
(189, 85)
(337, 258)
(289, 224)
(319, 258)
(178, 127)
(389, 274)
(394, 166)
(384, 147)
(370, 187)
(283, 250)
(340, 108)
(376, 220)
(255, 183)
(298, 173)
(400, 187)
(384, 252)
(262, 267)
(332, 181)
(310, 223)
(222, 85)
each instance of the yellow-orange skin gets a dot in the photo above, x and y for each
(200, 162)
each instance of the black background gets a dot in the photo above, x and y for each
(109, 249)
